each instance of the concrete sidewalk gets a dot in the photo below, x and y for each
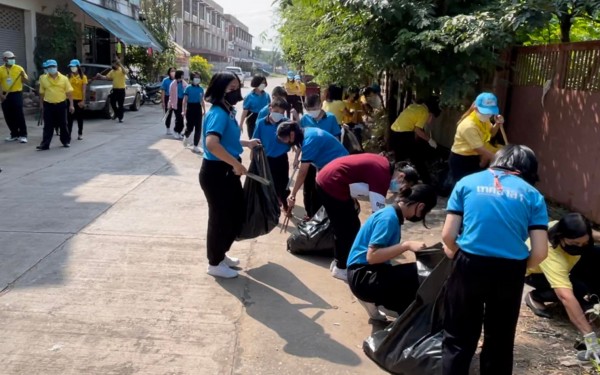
(102, 270)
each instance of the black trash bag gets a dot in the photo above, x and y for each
(262, 205)
(350, 141)
(412, 345)
(313, 237)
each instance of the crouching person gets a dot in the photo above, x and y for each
(371, 276)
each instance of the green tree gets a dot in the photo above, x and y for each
(57, 39)
(201, 65)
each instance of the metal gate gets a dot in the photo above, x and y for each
(12, 33)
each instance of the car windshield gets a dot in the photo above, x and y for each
(91, 71)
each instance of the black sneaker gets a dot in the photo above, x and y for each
(80, 137)
(66, 145)
(120, 120)
(40, 148)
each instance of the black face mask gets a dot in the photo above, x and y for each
(414, 219)
(233, 97)
(574, 249)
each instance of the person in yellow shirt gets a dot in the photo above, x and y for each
(469, 153)
(55, 89)
(353, 113)
(12, 77)
(301, 88)
(79, 83)
(557, 278)
(118, 75)
(408, 137)
(333, 102)
(292, 88)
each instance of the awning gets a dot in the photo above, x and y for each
(129, 31)
(180, 51)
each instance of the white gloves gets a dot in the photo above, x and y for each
(432, 143)
(592, 346)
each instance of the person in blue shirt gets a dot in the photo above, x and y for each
(277, 152)
(220, 172)
(318, 148)
(371, 276)
(176, 91)
(315, 117)
(164, 90)
(277, 92)
(193, 109)
(490, 216)
(256, 100)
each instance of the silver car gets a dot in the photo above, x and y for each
(97, 96)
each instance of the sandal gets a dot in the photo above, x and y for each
(542, 313)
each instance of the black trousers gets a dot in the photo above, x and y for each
(295, 102)
(223, 191)
(178, 117)
(168, 111)
(193, 116)
(461, 166)
(345, 223)
(407, 147)
(393, 287)
(251, 123)
(77, 115)
(280, 170)
(482, 290)
(543, 292)
(55, 115)
(12, 108)
(312, 201)
(117, 101)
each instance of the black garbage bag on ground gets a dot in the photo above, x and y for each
(313, 237)
(262, 206)
(350, 141)
(412, 345)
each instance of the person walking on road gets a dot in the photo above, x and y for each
(118, 76)
(193, 109)
(256, 100)
(165, 86)
(176, 91)
(12, 77)
(220, 172)
(490, 216)
(55, 89)
(277, 92)
(343, 180)
(79, 83)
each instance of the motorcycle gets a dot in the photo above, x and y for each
(151, 93)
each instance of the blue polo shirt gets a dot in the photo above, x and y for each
(264, 112)
(180, 90)
(224, 125)
(320, 147)
(254, 102)
(165, 85)
(195, 94)
(328, 123)
(382, 229)
(266, 131)
(496, 222)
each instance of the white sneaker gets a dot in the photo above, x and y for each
(169, 131)
(333, 264)
(11, 139)
(231, 261)
(339, 273)
(23, 139)
(373, 311)
(185, 141)
(177, 136)
(222, 271)
(197, 150)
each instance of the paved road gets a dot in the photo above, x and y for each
(102, 270)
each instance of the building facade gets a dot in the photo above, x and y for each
(240, 40)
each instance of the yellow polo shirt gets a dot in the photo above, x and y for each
(118, 77)
(471, 133)
(337, 108)
(301, 89)
(10, 78)
(557, 266)
(413, 116)
(292, 88)
(55, 89)
(77, 83)
(353, 118)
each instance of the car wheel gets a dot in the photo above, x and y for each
(137, 102)
(108, 112)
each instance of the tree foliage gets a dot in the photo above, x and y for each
(58, 38)
(201, 65)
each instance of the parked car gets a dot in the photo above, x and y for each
(238, 72)
(98, 91)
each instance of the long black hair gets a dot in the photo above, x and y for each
(570, 226)
(419, 193)
(520, 159)
(215, 92)
(286, 128)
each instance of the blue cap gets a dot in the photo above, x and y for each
(487, 104)
(290, 75)
(50, 63)
(74, 62)
(45, 64)
(297, 76)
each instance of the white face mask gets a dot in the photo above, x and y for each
(276, 117)
(196, 81)
(52, 70)
(483, 118)
(314, 114)
(74, 69)
(262, 87)
(10, 61)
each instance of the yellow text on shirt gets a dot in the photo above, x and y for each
(118, 77)
(471, 133)
(413, 116)
(77, 83)
(55, 89)
(11, 79)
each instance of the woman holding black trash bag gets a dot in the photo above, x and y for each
(220, 172)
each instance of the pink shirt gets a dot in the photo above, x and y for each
(173, 97)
